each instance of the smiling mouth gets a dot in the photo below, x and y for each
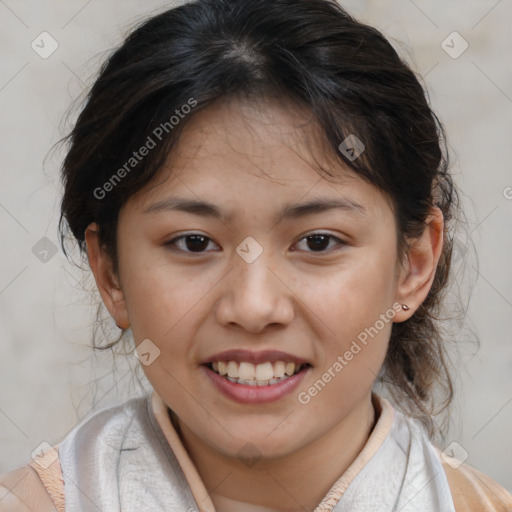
(263, 374)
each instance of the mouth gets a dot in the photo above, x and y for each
(249, 377)
(268, 373)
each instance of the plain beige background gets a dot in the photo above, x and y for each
(49, 378)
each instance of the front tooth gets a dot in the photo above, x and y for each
(233, 369)
(279, 367)
(264, 371)
(289, 368)
(246, 371)
(223, 369)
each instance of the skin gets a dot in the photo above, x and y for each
(250, 160)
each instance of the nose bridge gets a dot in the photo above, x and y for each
(255, 296)
(252, 273)
(251, 262)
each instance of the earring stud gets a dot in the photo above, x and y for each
(405, 307)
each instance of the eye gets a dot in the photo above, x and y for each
(193, 243)
(197, 243)
(320, 241)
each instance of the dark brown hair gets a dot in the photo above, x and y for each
(310, 51)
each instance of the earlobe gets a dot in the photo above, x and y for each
(417, 275)
(106, 281)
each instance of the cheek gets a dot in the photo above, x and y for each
(351, 359)
(350, 302)
(350, 297)
(159, 295)
(164, 304)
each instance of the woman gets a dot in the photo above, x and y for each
(261, 192)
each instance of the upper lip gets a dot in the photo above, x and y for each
(254, 357)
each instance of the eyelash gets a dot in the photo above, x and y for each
(172, 243)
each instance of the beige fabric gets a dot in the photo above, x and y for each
(383, 409)
(385, 414)
(50, 473)
(197, 487)
(21, 490)
(472, 491)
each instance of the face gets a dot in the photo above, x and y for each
(255, 283)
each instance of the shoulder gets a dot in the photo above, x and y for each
(21, 490)
(113, 416)
(111, 424)
(474, 491)
(37, 487)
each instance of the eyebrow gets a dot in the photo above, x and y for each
(292, 211)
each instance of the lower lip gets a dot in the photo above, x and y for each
(255, 394)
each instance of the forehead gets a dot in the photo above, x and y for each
(269, 149)
(263, 137)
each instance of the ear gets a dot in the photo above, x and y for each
(106, 281)
(417, 274)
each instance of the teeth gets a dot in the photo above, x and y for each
(251, 374)
(279, 367)
(233, 369)
(246, 371)
(222, 367)
(264, 371)
(289, 369)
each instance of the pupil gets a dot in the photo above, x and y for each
(317, 238)
(198, 243)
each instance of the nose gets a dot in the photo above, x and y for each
(254, 296)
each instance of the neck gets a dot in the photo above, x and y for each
(278, 485)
